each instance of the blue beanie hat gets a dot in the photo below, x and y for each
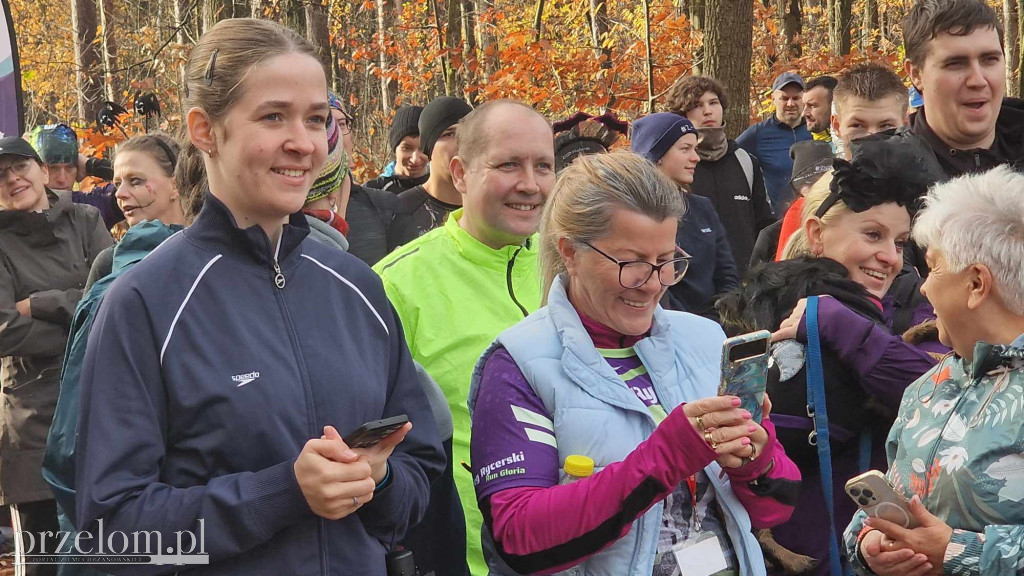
(654, 135)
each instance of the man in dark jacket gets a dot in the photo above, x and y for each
(409, 168)
(965, 119)
(727, 175)
(771, 138)
(430, 203)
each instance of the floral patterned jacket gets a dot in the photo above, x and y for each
(958, 443)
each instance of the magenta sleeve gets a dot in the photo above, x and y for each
(769, 486)
(540, 530)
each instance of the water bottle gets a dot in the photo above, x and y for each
(576, 467)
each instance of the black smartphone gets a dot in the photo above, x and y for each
(373, 432)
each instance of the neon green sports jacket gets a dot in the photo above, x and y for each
(454, 296)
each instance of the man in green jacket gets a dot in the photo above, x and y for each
(457, 287)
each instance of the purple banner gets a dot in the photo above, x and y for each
(11, 117)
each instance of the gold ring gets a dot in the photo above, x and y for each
(753, 453)
(891, 544)
(709, 440)
(355, 502)
(700, 423)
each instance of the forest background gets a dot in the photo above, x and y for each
(559, 56)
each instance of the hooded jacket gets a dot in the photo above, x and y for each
(45, 257)
(210, 364)
(59, 464)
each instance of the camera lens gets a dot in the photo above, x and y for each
(854, 492)
(863, 501)
(869, 493)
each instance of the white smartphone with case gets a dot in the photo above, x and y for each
(876, 497)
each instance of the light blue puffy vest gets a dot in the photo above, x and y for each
(597, 416)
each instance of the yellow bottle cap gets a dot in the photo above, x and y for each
(579, 466)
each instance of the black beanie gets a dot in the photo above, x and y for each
(437, 117)
(406, 123)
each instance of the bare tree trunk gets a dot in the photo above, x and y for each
(839, 26)
(599, 31)
(453, 38)
(728, 33)
(183, 19)
(441, 48)
(317, 33)
(216, 10)
(538, 21)
(869, 26)
(110, 77)
(1020, 47)
(257, 7)
(383, 25)
(88, 67)
(792, 26)
(649, 59)
(697, 19)
(1011, 38)
(469, 51)
(488, 41)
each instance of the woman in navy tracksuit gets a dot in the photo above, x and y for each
(221, 368)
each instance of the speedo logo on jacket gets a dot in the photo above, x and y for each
(243, 379)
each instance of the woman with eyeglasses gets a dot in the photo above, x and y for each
(681, 475)
(849, 252)
(669, 141)
(47, 245)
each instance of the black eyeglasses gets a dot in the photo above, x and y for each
(636, 273)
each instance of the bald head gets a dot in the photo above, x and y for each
(477, 130)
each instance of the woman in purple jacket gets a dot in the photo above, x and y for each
(858, 217)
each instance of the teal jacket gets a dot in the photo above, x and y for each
(958, 444)
(59, 462)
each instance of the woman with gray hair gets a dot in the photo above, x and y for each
(603, 371)
(956, 448)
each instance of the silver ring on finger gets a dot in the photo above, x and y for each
(355, 502)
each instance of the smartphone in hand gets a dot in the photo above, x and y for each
(373, 432)
(745, 370)
(876, 497)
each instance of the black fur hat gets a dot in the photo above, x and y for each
(771, 291)
(891, 166)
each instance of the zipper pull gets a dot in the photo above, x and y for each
(278, 276)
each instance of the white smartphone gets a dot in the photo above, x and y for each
(876, 497)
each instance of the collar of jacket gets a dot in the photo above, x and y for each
(961, 160)
(216, 229)
(481, 254)
(139, 241)
(988, 357)
(774, 120)
(36, 228)
(713, 143)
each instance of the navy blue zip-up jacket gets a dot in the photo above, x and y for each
(203, 380)
(712, 270)
(770, 141)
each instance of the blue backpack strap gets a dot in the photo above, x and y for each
(864, 457)
(816, 407)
